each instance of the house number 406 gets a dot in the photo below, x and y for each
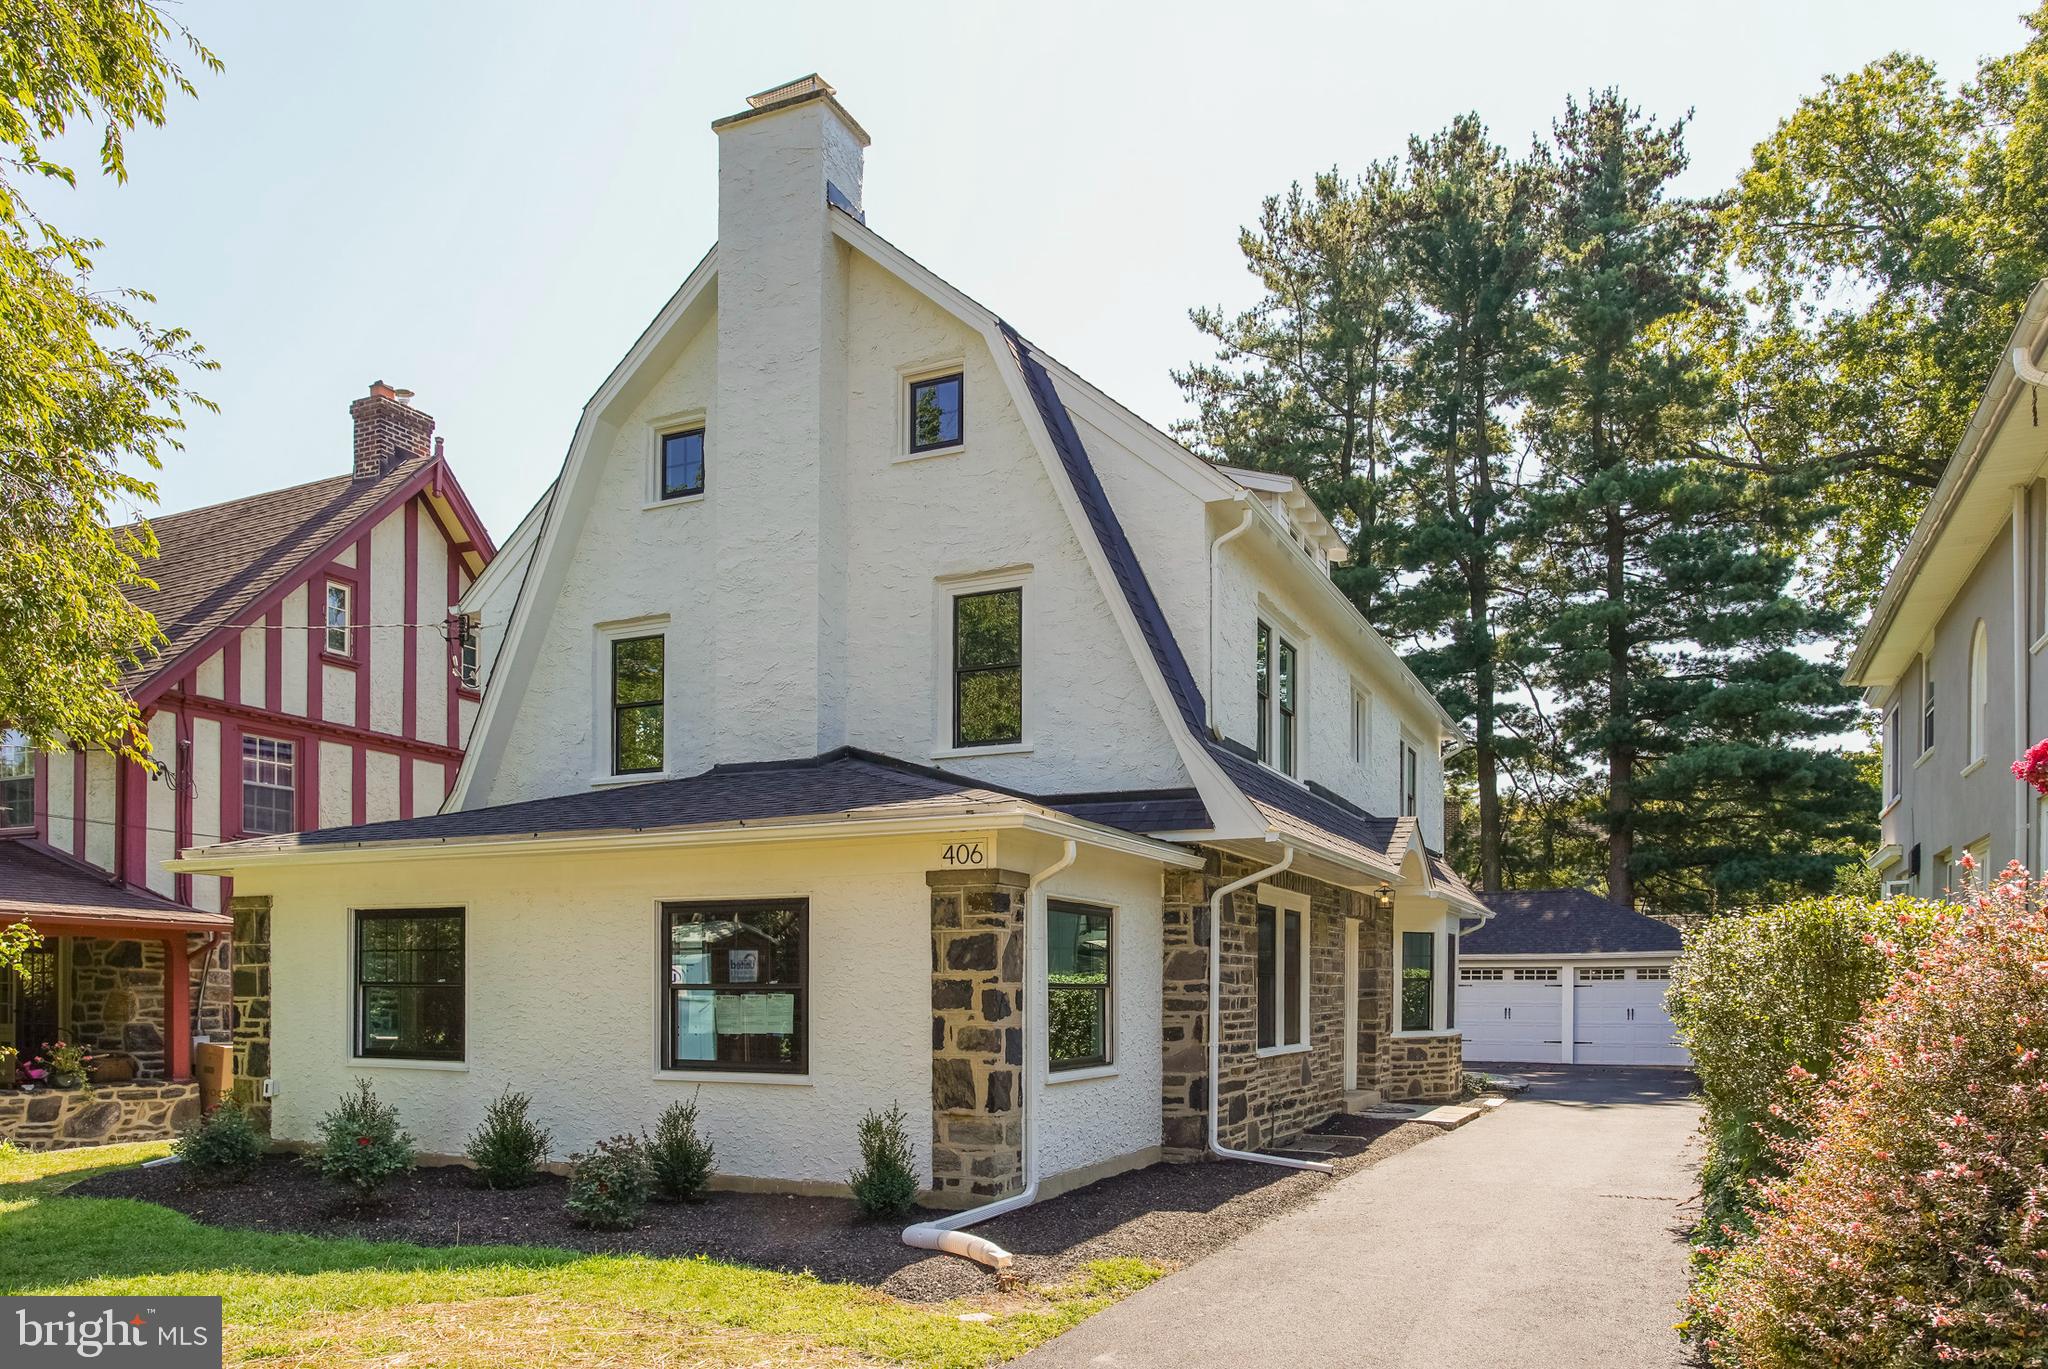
(963, 853)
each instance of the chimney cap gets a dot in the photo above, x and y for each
(813, 84)
(789, 95)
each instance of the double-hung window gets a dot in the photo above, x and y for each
(17, 780)
(1278, 683)
(466, 627)
(1361, 724)
(1282, 987)
(988, 668)
(269, 786)
(337, 619)
(409, 994)
(1077, 973)
(682, 463)
(734, 986)
(936, 413)
(1410, 778)
(1893, 745)
(638, 701)
(1418, 981)
(1926, 704)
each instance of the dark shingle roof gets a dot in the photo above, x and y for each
(36, 884)
(846, 782)
(214, 562)
(1564, 922)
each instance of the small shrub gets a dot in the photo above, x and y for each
(362, 1147)
(223, 1147)
(508, 1148)
(1910, 1227)
(680, 1160)
(608, 1187)
(885, 1185)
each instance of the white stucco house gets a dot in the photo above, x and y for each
(876, 713)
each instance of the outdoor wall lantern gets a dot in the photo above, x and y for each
(1383, 898)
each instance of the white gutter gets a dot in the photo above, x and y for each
(1216, 1146)
(2023, 366)
(1215, 548)
(946, 1233)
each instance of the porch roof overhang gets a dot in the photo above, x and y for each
(59, 896)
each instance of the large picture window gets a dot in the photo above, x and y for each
(17, 780)
(1418, 981)
(269, 786)
(1282, 976)
(988, 668)
(734, 979)
(409, 1003)
(1077, 973)
(637, 705)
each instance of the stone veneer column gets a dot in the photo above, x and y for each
(1375, 998)
(977, 1033)
(1184, 1015)
(252, 1003)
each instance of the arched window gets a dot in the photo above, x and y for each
(1980, 688)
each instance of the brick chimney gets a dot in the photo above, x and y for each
(388, 430)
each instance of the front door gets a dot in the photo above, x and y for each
(38, 1011)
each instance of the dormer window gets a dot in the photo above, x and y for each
(682, 463)
(936, 415)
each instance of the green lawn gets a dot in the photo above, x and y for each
(293, 1300)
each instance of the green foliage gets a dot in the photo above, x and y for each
(1072, 1022)
(17, 939)
(608, 1187)
(885, 1185)
(1908, 1229)
(85, 382)
(224, 1146)
(362, 1147)
(680, 1159)
(508, 1147)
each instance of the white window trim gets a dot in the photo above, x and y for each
(1361, 724)
(658, 1010)
(348, 618)
(1439, 979)
(1977, 705)
(296, 788)
(657, 429)
(948, 588)
(1894, 759)
(1285, 632)
(352, 964)
(907, 376)
(1284, 901)
(1049, 1072)
(1408, 744)
(1926, 747)
(602, 635)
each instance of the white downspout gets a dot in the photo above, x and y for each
(946, 1233)
(2020, 657)
(1215, 576)
(1216, 1146)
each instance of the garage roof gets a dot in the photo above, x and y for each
(1564, 922)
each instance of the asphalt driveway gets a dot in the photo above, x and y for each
(1549, 1234)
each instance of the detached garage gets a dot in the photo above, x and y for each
(1562, 976)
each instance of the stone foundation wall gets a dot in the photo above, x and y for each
(1263, 1100)
(1426, 1069)
(61, 1118)
(117, 996)
(977, 1033)
(252, 1003)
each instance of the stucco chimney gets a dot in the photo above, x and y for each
(788, 165)
(388, 430)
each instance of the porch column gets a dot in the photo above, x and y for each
(177, 1009)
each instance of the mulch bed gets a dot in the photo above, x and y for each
(1168, 1214)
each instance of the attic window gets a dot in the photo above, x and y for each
(337, 619)
(682, 463)
(936, 415)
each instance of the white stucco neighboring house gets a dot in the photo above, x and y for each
(880, 714)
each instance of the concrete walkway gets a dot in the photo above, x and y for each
(1548, 1234)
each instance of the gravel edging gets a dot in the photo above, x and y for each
(1169, 1215)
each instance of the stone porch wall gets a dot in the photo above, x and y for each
(1264, 1100)
(1427, 1069)
(977, 1033)
(252, 1003)
(61, 1118)
(117, 996)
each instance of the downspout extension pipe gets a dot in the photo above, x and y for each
(947, 1233)
(1216, 1146)
(1215, 547)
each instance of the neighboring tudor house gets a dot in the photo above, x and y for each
(1562, 976)
(308, 677)
(1952, 654)
(881, 708)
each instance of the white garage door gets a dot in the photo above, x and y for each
(1510, 1014)
(1618, 1017)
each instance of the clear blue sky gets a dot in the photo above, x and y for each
(486, 203)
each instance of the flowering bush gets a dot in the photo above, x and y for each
(62, 1064)
(1764, 1000)
(361, 1144)
(1912, 1227)
(2032, 768)
(608, 1187)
